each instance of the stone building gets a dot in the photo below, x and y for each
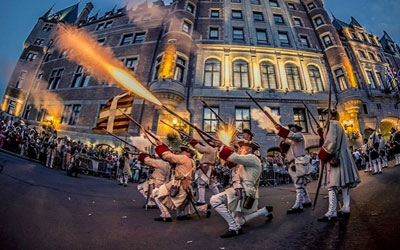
(284, 52)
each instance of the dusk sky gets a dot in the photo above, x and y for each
(18, 18)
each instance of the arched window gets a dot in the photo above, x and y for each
(241, 74)
(293, 77)
(268, 77)
(180, 67)
(315, 78)
(212, 73)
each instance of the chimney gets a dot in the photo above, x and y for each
(85, 12)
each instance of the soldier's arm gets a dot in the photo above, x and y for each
(165, 154)
(327, 150)
(287, 134)
(228, 154)
(202, 149)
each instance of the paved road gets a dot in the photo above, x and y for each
(45, 209)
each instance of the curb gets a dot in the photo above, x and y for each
(20, 156)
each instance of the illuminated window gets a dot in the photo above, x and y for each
(212, 73)
(241, 74)
(268, 77)
(293, 77)
(210, 121)
(179, 69)
(300, 118)
(242, 119)
(315, 77)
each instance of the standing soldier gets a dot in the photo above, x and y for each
(156, 179)
(299, 166)
(174, 195)
(340, 172)
(239, 204)
(382, 152)
(51, 150)
(395, 145)
(373, 147)
(205, 174)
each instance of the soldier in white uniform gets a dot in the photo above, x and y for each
(204, 174)
(299, 165)
(364, 149)
(175, 194)
(239, 204)
(341, 171)
(160, 175)
(395, 145)
(382, 152)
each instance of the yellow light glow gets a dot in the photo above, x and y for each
(99, 61)
(226, 133)
(350, 73)
(130, 83)
(167, 64)
(174, 121)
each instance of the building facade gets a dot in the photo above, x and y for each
(284, 52)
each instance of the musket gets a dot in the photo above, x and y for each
(188, 123)
(215, 113)
(182, 133)
(265, 112)
(311, 114)
(323, 164)
(124, 141)
(190, 197)
(145, 131)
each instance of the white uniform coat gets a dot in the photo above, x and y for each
(160, 174)
(247, 177)
(209, 156)
(346, 174)
(184, 169)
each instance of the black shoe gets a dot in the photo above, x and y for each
(327, 219)
(269, 218)
(375, 173)
(231, 233)
(294, 210)
(125, 185)
(200, 203)
(269, 209)
(208, 213)
(344, 215)
(162, 219)
(380, 172)
(307, 204)
(150, 207)
(120, 184)
(183, 217)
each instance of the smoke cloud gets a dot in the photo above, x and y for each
(139, 142)
(262, 119)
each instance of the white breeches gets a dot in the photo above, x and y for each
(164, 210)
(201, 184)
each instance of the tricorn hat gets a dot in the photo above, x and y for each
(248, 131)
(299, 128)
(254, 145)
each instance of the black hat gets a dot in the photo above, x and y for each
(254, 145)
(248, 131)
(299, 128)
(125, 149)
(371, 129)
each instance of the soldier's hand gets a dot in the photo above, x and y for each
(218, 143)
(278, 126)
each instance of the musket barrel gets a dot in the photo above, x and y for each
(259, 106)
